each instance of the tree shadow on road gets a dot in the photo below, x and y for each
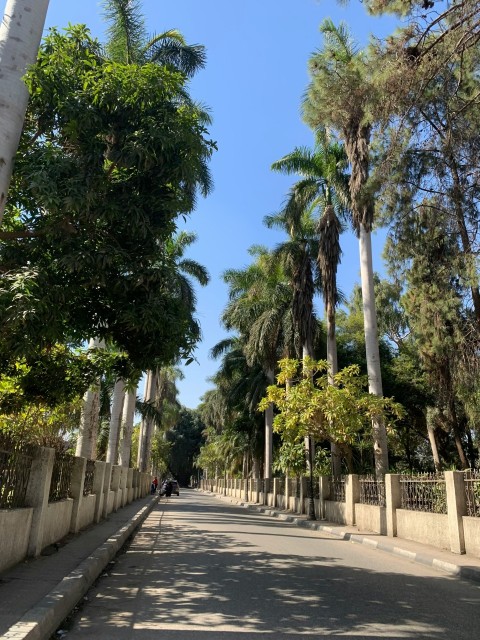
(180, 581)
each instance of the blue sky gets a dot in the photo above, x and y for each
(256, 74)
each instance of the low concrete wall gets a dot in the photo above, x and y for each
(336, 511)
(371, 518)
(87, 514)
(57, 522)
(15, 531)
(280, 501)
(27, 531)
(427, 528)
(471, 530)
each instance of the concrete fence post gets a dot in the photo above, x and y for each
(287, 493)
(393, 501)
(275, 491)
(456, 509)
(38, 491)
(352, 496)
(324, 491)
(123, 484)
(130, 492)
(98, 482)
(116, 476)
(78, 482)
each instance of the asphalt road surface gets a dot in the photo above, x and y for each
(203, 569)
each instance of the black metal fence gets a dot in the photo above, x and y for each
(89, 476)
(337, 488)
(424, 492)
(15, 465)
(372, 491)
(60, 486)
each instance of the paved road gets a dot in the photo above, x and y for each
(202, 569)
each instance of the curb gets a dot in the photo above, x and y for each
(466, 573)
(41, 621)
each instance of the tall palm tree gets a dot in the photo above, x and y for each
(323, 188)
(259, 308)
(20, 34)
(297, 255)
(341, 97)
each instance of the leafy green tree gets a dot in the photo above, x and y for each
(185, 439)
(337, 413)
(82, 267)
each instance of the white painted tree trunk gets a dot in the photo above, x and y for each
(146, 431)
(89, 418)
(127, 428)
(371, 347)
(267, 472)
(115, 417)
(20, 35)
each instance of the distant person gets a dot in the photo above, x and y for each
(154, 485)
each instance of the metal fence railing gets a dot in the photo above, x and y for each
(89, 476)
(472, 492)
(281, 486)
(60, 486)
(424, 492)
(15, 465)
(337, 488)
(372, 491)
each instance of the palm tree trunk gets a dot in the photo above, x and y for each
(146, 431)
(127, 428)
(115, 417)
(332, 360)
(89, 418)
(269, 432)
(20, 34)
(371, 347)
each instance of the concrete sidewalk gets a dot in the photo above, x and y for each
(462, 566)
(36, 595)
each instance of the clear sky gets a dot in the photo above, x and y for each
(253, 84)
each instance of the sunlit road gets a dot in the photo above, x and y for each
(203, 569)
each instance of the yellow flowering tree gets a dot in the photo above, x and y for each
(307, 405)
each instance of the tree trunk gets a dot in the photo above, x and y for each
(332, 360)
(89, 418)
(371, 347)
(20, 34)
(269, 432)
(127, 428)
(115, 417)
(146, 431)
(433, 444)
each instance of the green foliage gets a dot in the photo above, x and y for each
(185, 440)
(309, 406)
(110, 156)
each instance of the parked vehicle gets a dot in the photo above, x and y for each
(168, 487)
